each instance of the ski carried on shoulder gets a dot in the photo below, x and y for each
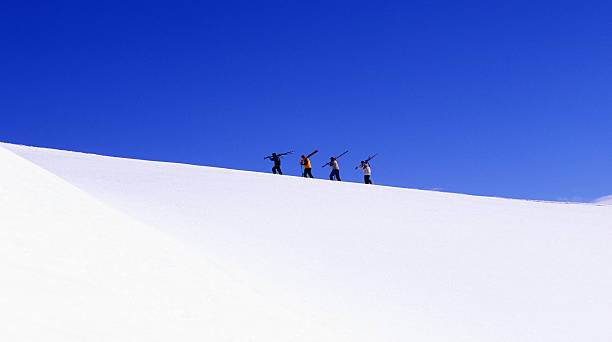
(313, 152)
(371, 157)
(343, 153)
(279, 155)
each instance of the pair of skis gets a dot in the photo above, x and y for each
(313, 152)
(308, 156)
(370, 157)
(279, 155)
(343, 153)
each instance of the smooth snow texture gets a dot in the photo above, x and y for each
(604, 200)
(74, 270)
(354, 262)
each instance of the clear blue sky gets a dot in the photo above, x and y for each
(508, 98)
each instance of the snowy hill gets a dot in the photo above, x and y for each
(100, 248)
(604, 200)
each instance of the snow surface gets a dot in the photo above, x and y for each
(604, 200)
(74, 269)
(118, 249)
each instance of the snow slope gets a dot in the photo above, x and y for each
(74, 269)
(308, 259)
(604, 200)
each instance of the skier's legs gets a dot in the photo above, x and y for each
(366, 179)
(335, 173)
(308, 172)
(275, 169)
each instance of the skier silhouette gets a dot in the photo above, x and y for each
(277, 162)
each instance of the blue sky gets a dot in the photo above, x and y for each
(505, 99)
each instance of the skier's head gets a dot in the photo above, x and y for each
(273, 154)
(362, 162)
(303, 156)
(332, 158)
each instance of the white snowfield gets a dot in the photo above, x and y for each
(604, 200)
(96, 248)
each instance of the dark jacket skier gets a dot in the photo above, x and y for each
(276, 159)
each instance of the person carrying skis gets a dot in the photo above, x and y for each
(335, 169)
(365, 167)
(333, 162)
(277, 162)
(305, 162)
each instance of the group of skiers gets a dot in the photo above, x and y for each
(333, 163)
